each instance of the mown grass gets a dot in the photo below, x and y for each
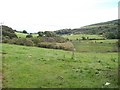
(32, 67)
(79, 36)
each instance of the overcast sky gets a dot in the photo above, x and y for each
(46, 15)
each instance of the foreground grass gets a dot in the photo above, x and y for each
(32, 67)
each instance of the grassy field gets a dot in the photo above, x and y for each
(79, 36)
(32, 67)
(96, 46)
(22, 35)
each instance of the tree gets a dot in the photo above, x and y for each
(8, 32)
(49, 34)
(83, 38)
(110, 35)
(24, 31)
(40, 33)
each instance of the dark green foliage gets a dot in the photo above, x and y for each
(8, 32)
(46, 45)
(83, 38)
(40, 34)
(63, 31)
(99, 28)
(5, 39)
(29, 36)
(49, 34)
(46, 34)
(24, 31)
(118, 43)
(21, 41)
(53, 39)
(110, 35)
(36, 41)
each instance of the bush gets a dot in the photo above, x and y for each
(36, 41)
(5, 39)
(29, 36)
(9, 32)
(24, 31)
(110, 35)
(46, 45)
(118, 42)
(21, 41)
(83, 38)
(29, 42)
(66, 46)
(53, 39)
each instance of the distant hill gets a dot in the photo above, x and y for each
(8, 32)
(99, 28)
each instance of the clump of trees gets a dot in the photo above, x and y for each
(110, 35)
(21, 41)
(8, 32)
(46, 34)
(45, 39)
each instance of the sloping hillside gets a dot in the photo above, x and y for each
(99, 28)
(8, 32)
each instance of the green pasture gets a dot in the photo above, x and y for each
(33, 67)
(23, 35)
(96, 45)
(79, 36)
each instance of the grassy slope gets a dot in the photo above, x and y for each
(79, 36)
(47, 68)
(103, 27)
(21, 34)
(96, 45)
(24, 35)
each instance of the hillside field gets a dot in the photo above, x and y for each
(23, 35)
(33, 67)
(79, 36)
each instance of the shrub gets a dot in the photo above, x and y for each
(24, 31)
(110, 35)
(21, 41)
(46, 45)
(83, 38)
(29, 42)
(36, 41)
(66, 46)
(5, 39)
(29, 36)
(9, 34)
(118, 43)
